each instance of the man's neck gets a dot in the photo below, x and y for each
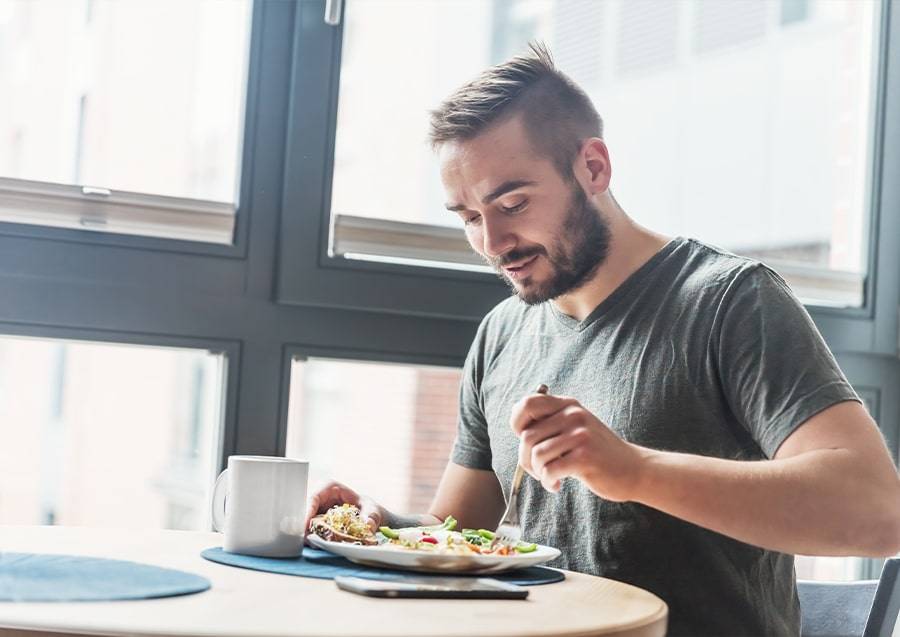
(630, 247)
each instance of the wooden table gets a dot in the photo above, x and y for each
(251, 603)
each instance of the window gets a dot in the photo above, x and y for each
(722, 123)
(384, 429)
(107, 435)
(123, 117)
(832, 569)
(284, 294)
(794, 11)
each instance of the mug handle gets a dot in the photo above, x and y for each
(218, 502)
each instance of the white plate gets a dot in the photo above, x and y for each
(391, 556)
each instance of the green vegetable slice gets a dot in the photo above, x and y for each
(526, 548)
(389, 533)
(447, 525)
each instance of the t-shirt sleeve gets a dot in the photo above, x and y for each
(472, 446)
(775, 367)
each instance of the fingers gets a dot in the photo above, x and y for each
(550, 451)
(371, 513)
(312, 507)
(333, 493)
(336, 493)
(535, 434)
(549, 427)
(561, 467)
(536, 407)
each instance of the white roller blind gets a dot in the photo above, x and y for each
(102, 210)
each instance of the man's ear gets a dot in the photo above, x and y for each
(593, 167)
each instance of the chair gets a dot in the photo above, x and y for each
(866, 608)
(886, 605)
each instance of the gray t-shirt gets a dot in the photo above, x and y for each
(699, 351)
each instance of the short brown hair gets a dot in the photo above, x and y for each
(558, 115)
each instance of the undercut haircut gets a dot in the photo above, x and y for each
(557, 114)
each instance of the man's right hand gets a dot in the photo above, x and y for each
(335, 493)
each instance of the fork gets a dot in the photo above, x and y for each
(509, 531)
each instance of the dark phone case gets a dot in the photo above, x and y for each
(423, 590)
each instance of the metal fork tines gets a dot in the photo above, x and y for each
(509, 531)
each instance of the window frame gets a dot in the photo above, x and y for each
(309, 276)
(237, 248)
(83, 285)
(874, 327)
(274, 293)
(67, 284)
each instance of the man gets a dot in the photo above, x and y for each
(698, 431)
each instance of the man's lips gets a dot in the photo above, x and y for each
(521, 269)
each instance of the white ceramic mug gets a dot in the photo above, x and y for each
(259, 503)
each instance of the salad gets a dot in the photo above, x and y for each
(343, 523)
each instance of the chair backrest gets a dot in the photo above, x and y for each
(886, 605)
(867, 608)
(835, 609)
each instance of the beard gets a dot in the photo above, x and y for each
(576, 253)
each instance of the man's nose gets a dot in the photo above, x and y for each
(496, 238)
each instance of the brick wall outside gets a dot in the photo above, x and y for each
(434, 428)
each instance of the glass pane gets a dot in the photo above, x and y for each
(830, 569)
(724, 119)
(383, 429)
(107, 435)
(143, 96)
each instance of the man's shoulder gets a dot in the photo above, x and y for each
(706, 267)
(718, 281)
(504, 321)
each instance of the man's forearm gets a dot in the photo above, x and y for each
(820, 503)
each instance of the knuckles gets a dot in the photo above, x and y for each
(580, 434)
(575, 413)
(530, 437)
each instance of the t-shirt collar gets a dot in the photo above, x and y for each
(619, 293)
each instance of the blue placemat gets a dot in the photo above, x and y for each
(324, 565)
(40, 577)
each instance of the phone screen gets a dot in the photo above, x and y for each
(434, 587)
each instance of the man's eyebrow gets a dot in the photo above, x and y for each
(505, 187)
(499, 191)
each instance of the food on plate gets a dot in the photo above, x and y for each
(343, 523)
(445, 540)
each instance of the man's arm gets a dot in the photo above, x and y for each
(472, 496)
(831, 488)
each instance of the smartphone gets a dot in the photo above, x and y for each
(433, 587)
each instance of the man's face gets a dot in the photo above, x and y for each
(538, 230)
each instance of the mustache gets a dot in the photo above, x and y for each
(516, 255)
